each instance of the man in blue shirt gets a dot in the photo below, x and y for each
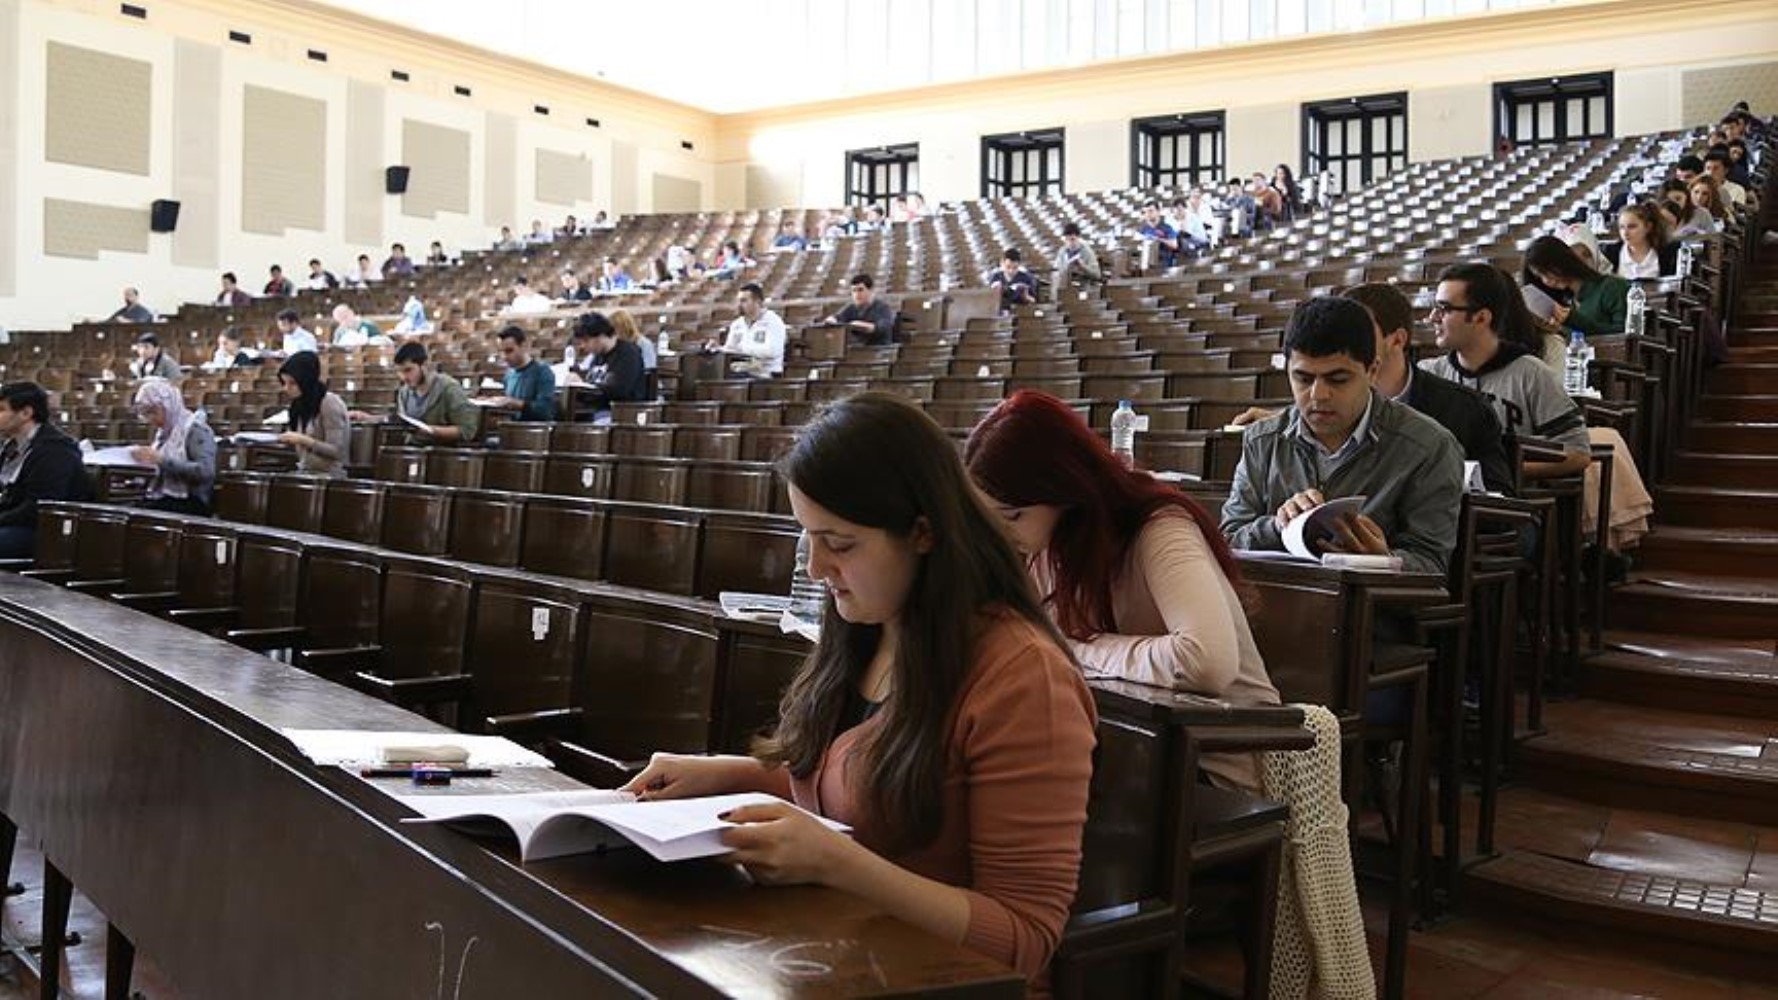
(1017, 286)
(530, 385)
(1165, 237)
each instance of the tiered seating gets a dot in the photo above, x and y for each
(380, 579)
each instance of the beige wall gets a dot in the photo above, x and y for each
(207, 150)
(1448, 67)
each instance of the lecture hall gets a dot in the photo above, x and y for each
(1113, 499)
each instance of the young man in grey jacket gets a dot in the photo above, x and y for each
(1342, 438)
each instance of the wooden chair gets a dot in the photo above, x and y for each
(486, 527)
(296, 503)
(653, 548)
(564, 537)
(417, 519)
(352, 510)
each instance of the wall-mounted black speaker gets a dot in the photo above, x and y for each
(163, 216)
(395, 180)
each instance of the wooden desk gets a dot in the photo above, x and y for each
(145, 760)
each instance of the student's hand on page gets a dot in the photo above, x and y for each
(1356, 534)
(681, 776)
(1299, 505)
(780, 844)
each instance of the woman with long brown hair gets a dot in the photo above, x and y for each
(939, 715)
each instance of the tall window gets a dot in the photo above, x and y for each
(1022, 164)
(1176, 150)
(1554, 109)
(1359, 138)
(874, 176)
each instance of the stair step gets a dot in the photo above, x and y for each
(1733, 378)
(1687, 673)
(1634, 757)
(1719, 468)
(1735, 926)
(1698, 604)
(1725, 551)
(1745, 437)
(1711, 507)
(1761, 347)
(1732, 407)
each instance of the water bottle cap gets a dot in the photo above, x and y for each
(1123, 404)
(1576, 337)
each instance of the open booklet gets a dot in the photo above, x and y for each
(1306, 533)
(556, 824)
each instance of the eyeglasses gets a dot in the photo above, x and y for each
(1444, 308)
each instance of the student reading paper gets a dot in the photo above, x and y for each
(939, 716)
(1134, 572)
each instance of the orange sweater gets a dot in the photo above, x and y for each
(1015, 794)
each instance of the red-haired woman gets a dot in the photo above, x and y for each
(1135, 574)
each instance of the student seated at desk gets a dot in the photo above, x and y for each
(940, 715)
(867, 319)
(1343, 438)
(757, 335)
(229, 352)
(1134, 572)
(151, 361)
(319, 430)
(530, 388)
(615, 373)
(437, 408)
(38, 462)
(183, 452)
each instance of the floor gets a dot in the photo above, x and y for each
(1464, 958)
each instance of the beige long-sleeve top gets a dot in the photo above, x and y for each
(1180, 625)
(332, 431)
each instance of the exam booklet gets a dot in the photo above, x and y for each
(1304, 535)
(556, 824)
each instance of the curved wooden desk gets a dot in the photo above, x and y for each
(145, 759)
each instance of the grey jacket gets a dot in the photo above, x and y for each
(1410, 468)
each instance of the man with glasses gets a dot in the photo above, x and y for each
(1474, 304)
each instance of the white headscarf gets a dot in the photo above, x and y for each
(169, 439)
(1580, 234)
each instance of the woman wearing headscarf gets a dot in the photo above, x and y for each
(320, 431)
(183, 452)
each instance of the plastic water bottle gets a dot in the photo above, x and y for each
(568, 356)
(660, 344)
(1123, 433)
(807, 596)
(1685, 260)
(1574, 366)
(1595, 220)
(1636, 307)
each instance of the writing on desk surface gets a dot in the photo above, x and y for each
(793, 959)
(456, 983)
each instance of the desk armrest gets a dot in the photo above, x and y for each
(533, 727)
(1238, 738)
(409, 692)
(49, 575)
(152, 601)
(205, 618)
(16, 565)
(337, 663)
(1113, 929)
(95, 586)
(281, 637)
(592, 767)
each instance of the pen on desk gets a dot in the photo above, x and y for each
(406, 772)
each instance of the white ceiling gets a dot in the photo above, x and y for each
(740, 55)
